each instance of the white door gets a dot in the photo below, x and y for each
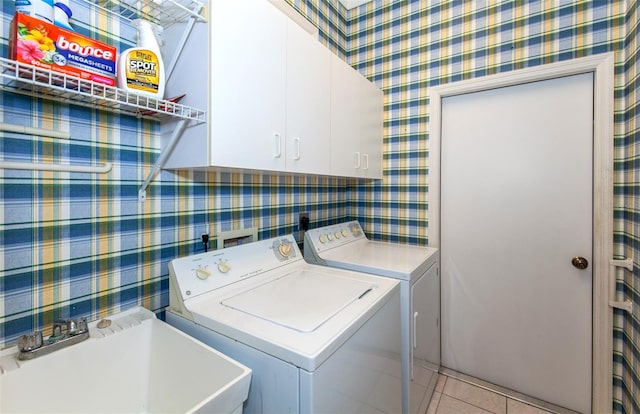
(516, 207)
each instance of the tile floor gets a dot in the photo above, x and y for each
(453, 396)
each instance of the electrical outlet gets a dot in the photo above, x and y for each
(303, 222)
(202, 233)
(303, 226)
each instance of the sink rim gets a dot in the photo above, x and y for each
(235, 388)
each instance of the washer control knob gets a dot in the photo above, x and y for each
(330, 236)
(323, 239)
(284, 249)
(345, 233)
(202, 273)
(338, 235)
(224, 267)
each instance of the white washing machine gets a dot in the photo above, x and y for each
(318, 340)
(345, 246)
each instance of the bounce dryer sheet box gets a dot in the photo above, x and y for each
(39, 43)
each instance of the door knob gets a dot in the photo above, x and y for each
(580, 262)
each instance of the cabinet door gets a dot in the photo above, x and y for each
(425, 334)
(248, 81)
(346, 157)
(371, 133)
(356, 123)
(308, 103)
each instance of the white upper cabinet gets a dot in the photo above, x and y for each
(345, 119)
(308, 103)
(248, 85)
(356, 123)
(267, 86)
(235, 66)
(371, 129)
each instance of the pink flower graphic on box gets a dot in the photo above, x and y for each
(29, 50)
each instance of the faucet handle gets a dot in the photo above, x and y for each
(81, 325)
(58, 326)
(73, 326)
(30, 342)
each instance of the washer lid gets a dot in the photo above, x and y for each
(302, 300)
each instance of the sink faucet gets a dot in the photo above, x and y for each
(66, 332)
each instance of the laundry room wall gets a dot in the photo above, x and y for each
(79, 244)
(406, 47)
(76, 244)
(627, 224)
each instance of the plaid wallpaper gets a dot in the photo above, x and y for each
(627, 234)
(80, 244)
(75, 244)
(408, 46)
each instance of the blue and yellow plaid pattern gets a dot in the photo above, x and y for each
(406, 47)
(80, 244)
(626, 353)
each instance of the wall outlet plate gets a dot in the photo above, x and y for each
(236, 237)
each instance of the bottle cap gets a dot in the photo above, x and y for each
(64, 8)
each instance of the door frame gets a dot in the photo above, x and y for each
(603, 285)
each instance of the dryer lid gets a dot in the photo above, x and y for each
(302, 300)
(400, 261)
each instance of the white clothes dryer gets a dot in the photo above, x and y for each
(346, 246)
(318, 340)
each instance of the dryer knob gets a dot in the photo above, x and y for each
(323, 239)
(202, 273)
(338, 235)
(345, 233)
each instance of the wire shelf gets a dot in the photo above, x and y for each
(42, 83)
(162, 12)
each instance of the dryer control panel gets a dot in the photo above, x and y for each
(204, 272)
(325, 238)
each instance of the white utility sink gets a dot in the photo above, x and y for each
(138, 364)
